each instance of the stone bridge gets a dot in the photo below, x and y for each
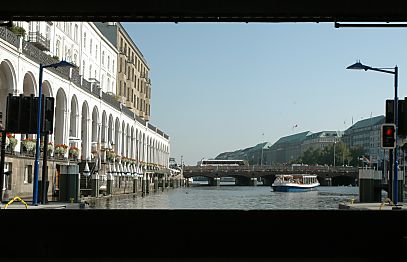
(250, 175)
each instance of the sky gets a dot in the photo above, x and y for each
(219, 87)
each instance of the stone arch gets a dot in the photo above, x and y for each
(60, 117)
(46, 89)
(128, 141)
(95, 128)
(7, 85)
(29, 85)
(103, 135)
(84, 131)
(74, 116)
(123, 138)
(110, 132)
(132, 140)
(116, 135)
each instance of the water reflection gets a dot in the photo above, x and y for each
(233, 197)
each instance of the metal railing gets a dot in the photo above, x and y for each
(10, 37)
(39, 40)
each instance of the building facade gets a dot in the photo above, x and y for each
(287, 148)
(87, 114)
(321, 140)
(366, 134)
(133, 87)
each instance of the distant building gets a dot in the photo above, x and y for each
(366, 134)
(287, 148)
(321, 140)
(253, 155)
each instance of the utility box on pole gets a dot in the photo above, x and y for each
(370, 186)
(69, 187)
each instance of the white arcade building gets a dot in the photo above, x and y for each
(88, 115)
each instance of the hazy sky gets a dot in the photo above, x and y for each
(219, 87)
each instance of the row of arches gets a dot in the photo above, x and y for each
(87, 122)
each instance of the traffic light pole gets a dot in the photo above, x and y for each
(395, 181)
(2, 158)
(390, 180)
(44, 170)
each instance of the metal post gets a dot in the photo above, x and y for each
(44, 170)
(395, 181)
(37, 144)
(3, 153)
(334, 152)
(390, 181)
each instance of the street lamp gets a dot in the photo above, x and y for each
(37, 144)
(334, 152)
(261, 161)
(393, 71)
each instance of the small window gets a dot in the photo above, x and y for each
(28, 174)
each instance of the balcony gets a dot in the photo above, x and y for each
(129, 104)
(39, 41)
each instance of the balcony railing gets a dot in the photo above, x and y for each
(39, 41)
(9, 37)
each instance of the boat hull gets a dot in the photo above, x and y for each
(291, 189)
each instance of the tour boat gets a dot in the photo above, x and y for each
(294, 183)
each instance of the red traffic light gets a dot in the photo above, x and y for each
(388, 136)
(389, 131)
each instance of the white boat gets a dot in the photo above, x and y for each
(295, 183)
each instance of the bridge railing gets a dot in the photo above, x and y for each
(272, 168)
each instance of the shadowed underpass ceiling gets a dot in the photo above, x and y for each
(203, 11)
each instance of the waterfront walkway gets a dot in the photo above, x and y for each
(56, 205)
(372, 206)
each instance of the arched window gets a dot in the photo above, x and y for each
(103, 58)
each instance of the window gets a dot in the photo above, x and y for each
(75, 36)
(57, 48)
(103, 57)
(90, 46)
(83, 68)
(84, 41)
(28, 170)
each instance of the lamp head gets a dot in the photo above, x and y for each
(358, 66)
(63, 63)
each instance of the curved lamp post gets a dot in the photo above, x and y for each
(39, 118)
(393, 71)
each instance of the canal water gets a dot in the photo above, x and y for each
(228, 196)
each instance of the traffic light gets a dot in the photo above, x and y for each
(388, 136)
(22, 114)
(402, 115)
